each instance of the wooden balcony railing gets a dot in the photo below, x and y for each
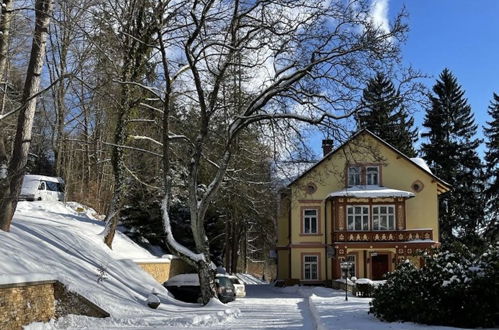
(383, 236)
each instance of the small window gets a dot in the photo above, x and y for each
(353, 176)
(310, 221)
(372, 176)
(41, 186)
(310, 267)
(384, 217)
(358, 217)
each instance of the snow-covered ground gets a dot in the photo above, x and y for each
(56, 240)
(268, 307)
(51, 240)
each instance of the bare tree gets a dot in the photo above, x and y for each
(310, 60)
(11, 185)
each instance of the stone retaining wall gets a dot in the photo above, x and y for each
(28, 302)
(22, 303)
(163, 270)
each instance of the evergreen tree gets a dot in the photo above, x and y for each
(451, 154)
(492, 159)
(384, 114)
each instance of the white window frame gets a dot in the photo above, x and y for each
(310, 218)
(386, 214)
(354, 178)
(369, 176)
(307, 273)
(365, 217)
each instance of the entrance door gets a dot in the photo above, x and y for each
(379, 264)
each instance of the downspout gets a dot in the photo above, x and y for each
(325, 237)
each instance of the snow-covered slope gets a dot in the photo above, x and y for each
(53, 238)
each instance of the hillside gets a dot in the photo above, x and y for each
(52, 238)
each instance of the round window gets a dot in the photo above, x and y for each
(311, 188)
(417, 186)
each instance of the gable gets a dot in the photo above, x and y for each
(366, 147)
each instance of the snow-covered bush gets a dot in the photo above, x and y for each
(454, 287)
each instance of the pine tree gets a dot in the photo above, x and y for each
(492, 160)
(451, 154)
(384, 114)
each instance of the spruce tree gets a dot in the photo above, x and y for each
(451, 155)
(492, 169)
(384, 114)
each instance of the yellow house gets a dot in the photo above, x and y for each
(364, 202)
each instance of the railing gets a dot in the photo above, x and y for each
(383, 236)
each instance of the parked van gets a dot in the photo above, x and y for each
(40, 187)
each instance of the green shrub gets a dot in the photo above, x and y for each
(454, 288)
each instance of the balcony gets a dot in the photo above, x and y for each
(384, 236)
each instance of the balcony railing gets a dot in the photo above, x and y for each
(383, 236)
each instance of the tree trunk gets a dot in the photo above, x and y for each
(5, 19)
(206, 282)
(15, 171)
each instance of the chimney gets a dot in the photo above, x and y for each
(327, 146)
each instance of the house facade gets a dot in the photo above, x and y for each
(364, 202)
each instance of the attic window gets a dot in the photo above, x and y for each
(417, 186)
(311, 188)
(353, 176)
(372, 175)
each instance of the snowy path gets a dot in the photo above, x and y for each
(265, 307)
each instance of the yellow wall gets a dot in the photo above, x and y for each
(282, 264)
(296, 263)
(397, 173)
(329, 176)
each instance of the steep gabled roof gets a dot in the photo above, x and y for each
(442, 186)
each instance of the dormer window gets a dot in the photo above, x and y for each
(372, 175)
(353, 176)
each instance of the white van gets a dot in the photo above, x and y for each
(40, 187)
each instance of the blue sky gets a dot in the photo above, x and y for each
(458, 34)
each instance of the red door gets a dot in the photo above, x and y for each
(379, 264)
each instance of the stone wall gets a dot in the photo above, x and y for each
(163, 270)
(24, 303)
(68, 302)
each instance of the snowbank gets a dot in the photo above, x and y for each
(53, 239)
(330, 311)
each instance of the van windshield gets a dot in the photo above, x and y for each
(54, 186)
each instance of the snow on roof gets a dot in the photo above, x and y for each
(286, 172)
(421, 163)
(370, 191)
(34, 177)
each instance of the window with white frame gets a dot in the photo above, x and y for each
(358, 217)
(372, 175)
(310, 221)
(384, 217)
(310, 267)
(353, 176)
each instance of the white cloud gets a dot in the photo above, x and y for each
(379, 14)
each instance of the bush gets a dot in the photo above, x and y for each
(454, 288)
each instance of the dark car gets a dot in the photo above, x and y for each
(185, 287)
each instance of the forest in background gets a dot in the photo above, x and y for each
(174, 116)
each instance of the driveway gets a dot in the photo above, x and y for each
(266, 307)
